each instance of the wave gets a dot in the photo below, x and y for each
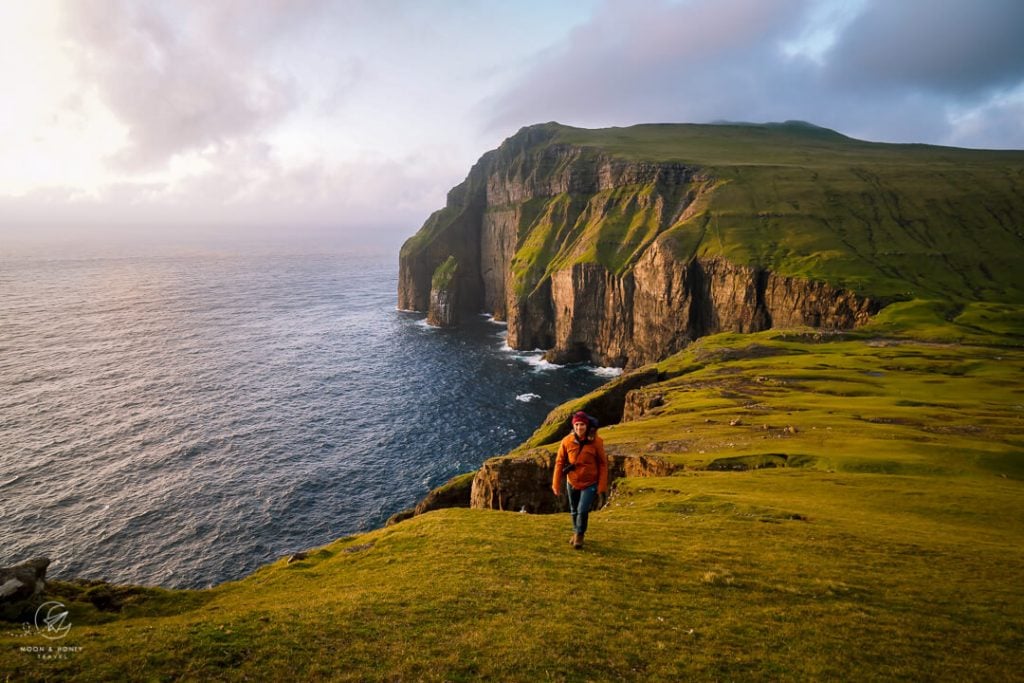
(534, 358)
(538, 363)
(526, 398)
(490, 318)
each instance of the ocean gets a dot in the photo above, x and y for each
(180, 418)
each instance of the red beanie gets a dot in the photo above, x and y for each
(581, 417)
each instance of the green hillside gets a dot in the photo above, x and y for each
(851, 508)
(891, 221)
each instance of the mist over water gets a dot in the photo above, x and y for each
(182, 418)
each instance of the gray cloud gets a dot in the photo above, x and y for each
(959, 47)
(896, 71)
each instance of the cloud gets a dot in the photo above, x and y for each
(241, 187)
(956, 47)
(996, 123)
(909, 71)
(651, 61)
(179, 80)
(273, 112)
(351, 112)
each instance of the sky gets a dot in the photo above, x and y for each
(353, 118)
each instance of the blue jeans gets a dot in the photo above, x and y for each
(579, 506)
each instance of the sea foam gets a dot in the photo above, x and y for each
(490, 318)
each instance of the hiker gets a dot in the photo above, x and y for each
(581, 459)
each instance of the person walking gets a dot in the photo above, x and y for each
(582, 463)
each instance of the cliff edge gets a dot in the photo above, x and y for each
(621, 246)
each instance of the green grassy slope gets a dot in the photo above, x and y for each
(852, 508)
(891, 221)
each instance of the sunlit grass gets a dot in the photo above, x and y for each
(770, 574)
(867, 522)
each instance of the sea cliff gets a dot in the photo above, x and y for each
(520, 229)
(621, 247)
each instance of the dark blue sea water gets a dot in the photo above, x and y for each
(180, 419)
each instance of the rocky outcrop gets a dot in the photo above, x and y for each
(580, 252)
(607, 405)
(455, 493)
(522, 483)
(400, 516)
(445, 288)
(21, 586)
(517, 483)
(640, 402)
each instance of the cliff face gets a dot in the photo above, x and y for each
(583, 254)
(445, 294)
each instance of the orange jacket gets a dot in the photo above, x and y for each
(591, 464)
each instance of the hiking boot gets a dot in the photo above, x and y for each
(577, 541)
(572, 541)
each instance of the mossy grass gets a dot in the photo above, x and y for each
(459, 482)
(850, 508)
(444, 273)
(434, 226)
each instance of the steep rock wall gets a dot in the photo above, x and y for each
(665, 303)
(529, 228)
(445, 294)
(499, 228)
(443, 311)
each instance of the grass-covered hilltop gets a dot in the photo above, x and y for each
(818, 449)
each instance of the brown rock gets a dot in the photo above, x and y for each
(445, 290)
(21, 585)
(640, 402)
(516, 483)
(523, 482)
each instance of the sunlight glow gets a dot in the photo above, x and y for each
(53, 132)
